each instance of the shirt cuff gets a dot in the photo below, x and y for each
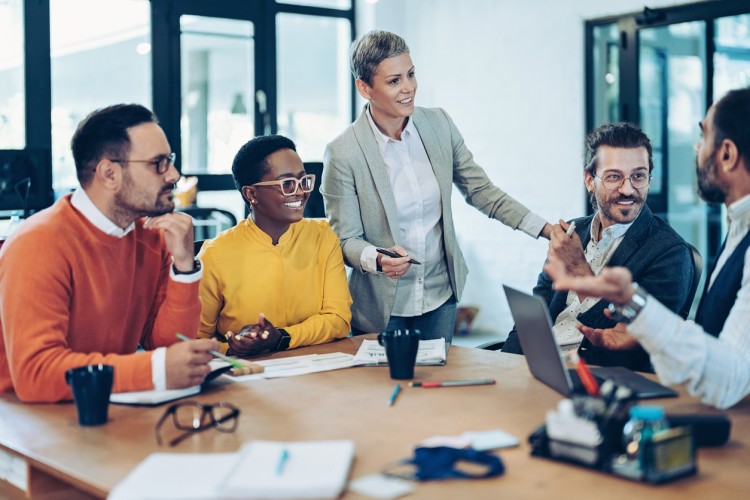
(369, 259)
(186, 278)
(159, 368)
(532, 224)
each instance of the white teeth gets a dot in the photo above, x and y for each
(294, 204)
(406, 101)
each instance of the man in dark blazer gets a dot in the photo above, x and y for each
(622, 232)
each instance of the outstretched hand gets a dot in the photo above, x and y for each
(614, 284)
(616, 339)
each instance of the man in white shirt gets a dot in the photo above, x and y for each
(712, 355)
(621, 232)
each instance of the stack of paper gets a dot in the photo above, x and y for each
(304, 469)
(431, 352)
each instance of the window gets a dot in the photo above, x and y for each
(12, 94)
(314, 81)
(98, 59)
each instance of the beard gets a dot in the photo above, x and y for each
(620, 215)
(135, 202)
(709, 188)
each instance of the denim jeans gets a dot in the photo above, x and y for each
(433, 325)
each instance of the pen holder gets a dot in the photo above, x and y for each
(589, 431)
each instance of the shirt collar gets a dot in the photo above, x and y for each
(614, 231)
(383, 139)
(81, 201)
(739, 211)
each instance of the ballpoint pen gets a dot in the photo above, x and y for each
(397, 256)
(394, 394)
(283, 458)
(219, 355)
(452, 383)
(571, 228)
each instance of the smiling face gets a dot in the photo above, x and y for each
(392, 89)
(622, 205)
(273, 211)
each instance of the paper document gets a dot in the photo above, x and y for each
(153, 397)
(301, 365)
(172, 476)
(431, 352)
(302, 469)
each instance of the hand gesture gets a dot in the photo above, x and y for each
(568, 249)
(254, 339)
(616, 339)
(178, 237)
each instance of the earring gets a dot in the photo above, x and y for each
(254, 201)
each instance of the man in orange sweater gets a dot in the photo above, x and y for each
(104, 270)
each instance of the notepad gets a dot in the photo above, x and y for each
(301, 469)
(154, 397)
(431, 352)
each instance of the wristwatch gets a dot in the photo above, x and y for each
(195, 269)
(625, 313)
(283, 344)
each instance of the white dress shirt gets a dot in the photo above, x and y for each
(715, 369)
(81, 202)
(597, 253)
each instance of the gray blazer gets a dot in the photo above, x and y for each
(361, 206)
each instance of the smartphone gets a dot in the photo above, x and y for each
(397, 256)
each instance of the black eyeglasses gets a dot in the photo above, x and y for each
(191, 416)
(290, 185)
(614, 181)
(161, 163)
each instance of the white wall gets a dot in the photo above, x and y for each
(511, 75)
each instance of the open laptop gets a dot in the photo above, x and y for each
(544, 358)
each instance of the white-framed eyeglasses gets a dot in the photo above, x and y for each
(290, 185)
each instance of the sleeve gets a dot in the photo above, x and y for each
(333, 320)
(176, 309)
(36, 290)
(477, 189)
(342, 206)
(715, 369)
(212, 300)
(669, 277)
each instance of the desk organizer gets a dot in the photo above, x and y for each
(591, 436)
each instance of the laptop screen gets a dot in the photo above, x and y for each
(534, 327)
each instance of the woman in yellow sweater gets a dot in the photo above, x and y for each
(275, 279)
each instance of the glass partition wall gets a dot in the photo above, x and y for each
(662, 69)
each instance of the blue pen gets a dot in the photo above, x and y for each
(282, 461)
(394, 394)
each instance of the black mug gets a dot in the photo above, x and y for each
(401, 348)
(91, 386)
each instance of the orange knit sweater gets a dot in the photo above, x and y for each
(71, 296)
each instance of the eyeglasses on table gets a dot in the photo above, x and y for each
(192, 416)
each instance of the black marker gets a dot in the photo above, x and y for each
(397, 256)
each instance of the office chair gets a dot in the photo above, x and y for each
(495, 345)
(208, 222)
(697, 271)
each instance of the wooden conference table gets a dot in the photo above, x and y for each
(67, 461)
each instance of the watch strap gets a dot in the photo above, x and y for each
(626, 313)
(195, 269)
(283, 344)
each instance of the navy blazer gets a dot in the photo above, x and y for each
(661, 262)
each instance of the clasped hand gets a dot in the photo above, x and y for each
(254, 339)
